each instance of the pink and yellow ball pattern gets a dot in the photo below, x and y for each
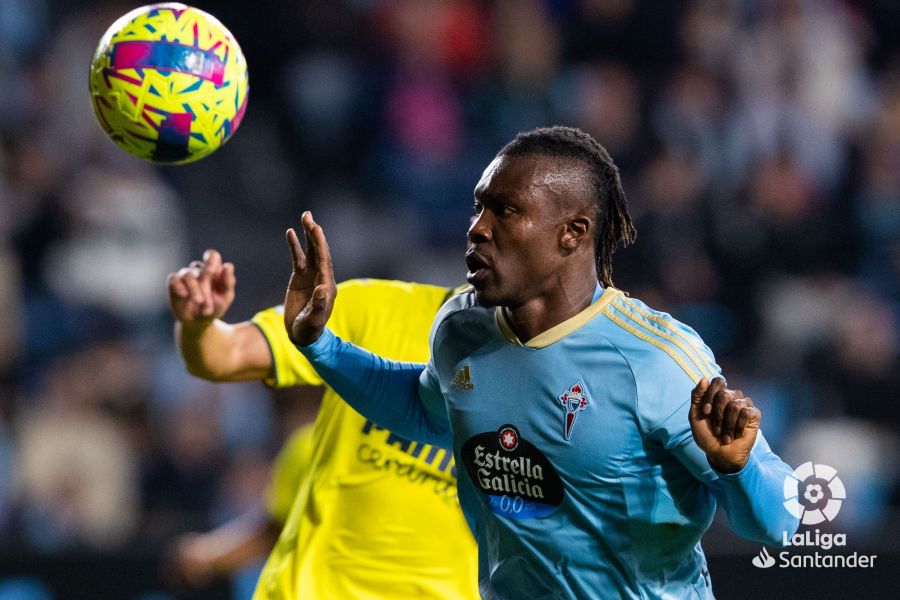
(169, 83)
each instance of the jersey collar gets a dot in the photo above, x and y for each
(602, 297)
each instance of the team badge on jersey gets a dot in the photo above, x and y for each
(574, 400)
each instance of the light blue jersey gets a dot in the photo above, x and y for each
(578, 471)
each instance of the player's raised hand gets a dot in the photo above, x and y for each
(203, 290)
(724, 423)
(311, 292)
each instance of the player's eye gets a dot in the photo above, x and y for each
(476, 208)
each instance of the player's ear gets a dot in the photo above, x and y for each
(578, 229)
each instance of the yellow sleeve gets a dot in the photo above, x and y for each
(289, 366)
(289, 469)
(360, 306)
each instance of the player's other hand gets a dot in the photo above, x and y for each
(724, 423)
(311, 291)
(203, 290)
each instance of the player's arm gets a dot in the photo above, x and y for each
(198, 558)
(199, 295)
(402, 397)
(722, 445)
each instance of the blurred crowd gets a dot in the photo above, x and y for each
(759, 144)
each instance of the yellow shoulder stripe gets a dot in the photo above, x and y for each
(639, 333)
(684, 343)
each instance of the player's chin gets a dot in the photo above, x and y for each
(486, 295)
(481, 281)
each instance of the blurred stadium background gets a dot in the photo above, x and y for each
(760, 147)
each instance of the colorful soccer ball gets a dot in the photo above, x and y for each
(169, 83)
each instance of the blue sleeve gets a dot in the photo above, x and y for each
(752, 497)
(399, 396)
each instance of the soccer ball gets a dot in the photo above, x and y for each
(169, 83)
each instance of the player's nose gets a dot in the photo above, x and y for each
(479, 230)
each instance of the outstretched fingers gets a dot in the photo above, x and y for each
(311, 292)
(319, 252)
(297, 255)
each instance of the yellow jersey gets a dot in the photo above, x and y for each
(289, 469)
(377, 515)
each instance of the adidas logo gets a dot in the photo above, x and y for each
(463, 380)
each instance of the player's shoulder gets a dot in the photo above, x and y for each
(463, 311)
(375, 291)
(461, 315)
(462, 298)
(393, 285)
(272, 311)
(654, 343)
(270, 321)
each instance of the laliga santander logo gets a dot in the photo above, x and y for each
(813, 493)
(763, 560)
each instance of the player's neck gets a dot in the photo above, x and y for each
(561, 303)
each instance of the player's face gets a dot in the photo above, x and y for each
(514, 238)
